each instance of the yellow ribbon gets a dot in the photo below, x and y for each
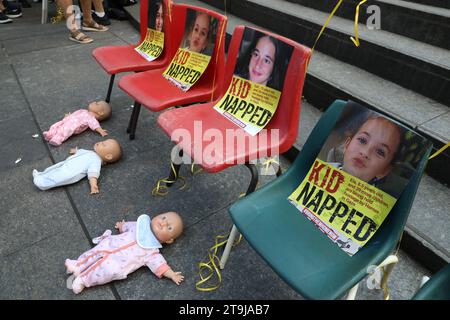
(268, 162)
(162, 190)
(355, 39)
(217, 58)
(194, 172)
(58, 17)
(212, 265)
(169, 11)
(439, 151)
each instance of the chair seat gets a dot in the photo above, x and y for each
(156, 93)
(117, 59)
(202, 118)
(316, 267)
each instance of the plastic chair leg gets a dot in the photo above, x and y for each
(253, 182)
(352, 292)
(111, 83)
(133, 120)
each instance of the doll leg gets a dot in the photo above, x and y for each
(104, 271)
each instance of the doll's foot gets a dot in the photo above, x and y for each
(71, 267)
(77, 285)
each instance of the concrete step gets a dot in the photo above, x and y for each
(417, 21)
(434, 3)
(425, 238)
(414, 65)
(329, 79)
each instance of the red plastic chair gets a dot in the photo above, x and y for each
(118, 59)
(285, 119)
(156, 93)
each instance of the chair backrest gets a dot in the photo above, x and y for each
(287, 116)
(437, 288)
(214, 73)
(145, 7)
(388, 234)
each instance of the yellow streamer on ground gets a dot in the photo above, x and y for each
(269, 162)
(58, 17)
(162, 190)
(355, 39)
(212, 265)
(193, 171)
(439, 151)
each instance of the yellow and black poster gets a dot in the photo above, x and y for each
(255, 90)
(153, 44)
(359, 174)
(194, 54)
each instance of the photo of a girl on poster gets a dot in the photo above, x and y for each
(373, 149)
(156, 16)
(263, 59)
(200, 32)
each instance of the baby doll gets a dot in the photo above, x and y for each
(136, 245)
(82, 163)
(79, 121)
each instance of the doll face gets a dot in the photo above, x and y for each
(262, 60)
(159, 19)
(369, 153)
(100, 109)
(167, 226)
(198, 39)
(108, 150)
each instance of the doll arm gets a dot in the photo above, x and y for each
(176, 277)
(101, 131)
(93, 184)
(73, 150)
(123, 226)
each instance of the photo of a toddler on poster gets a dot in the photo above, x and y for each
(196, 48)
(255, 90)
(153, 44)
(359, 174)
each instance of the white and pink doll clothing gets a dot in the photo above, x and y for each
(76, 167)
(114, 257)
(75, 123)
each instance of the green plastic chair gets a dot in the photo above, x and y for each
(437, 288)
(295, 249)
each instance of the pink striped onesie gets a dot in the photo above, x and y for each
(74, 123)
(115, 257)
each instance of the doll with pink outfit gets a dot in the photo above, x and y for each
(79, 121)
(136, 245)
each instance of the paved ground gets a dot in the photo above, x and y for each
(43, 76)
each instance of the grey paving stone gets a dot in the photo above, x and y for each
(13, 102)
(17, 142)
(37, 272)
(30, 215)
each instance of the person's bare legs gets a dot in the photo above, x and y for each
(98, 5)
(88, 22)
(69, 15)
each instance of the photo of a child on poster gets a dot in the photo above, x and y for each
(153, 44)
(255, 90)
(360, 172)
(196, 48)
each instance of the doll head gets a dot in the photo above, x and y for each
(369, 154)
(109, 150)
(167, 226)
(100, 109)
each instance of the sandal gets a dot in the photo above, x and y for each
(79, 37)
(93, 26)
